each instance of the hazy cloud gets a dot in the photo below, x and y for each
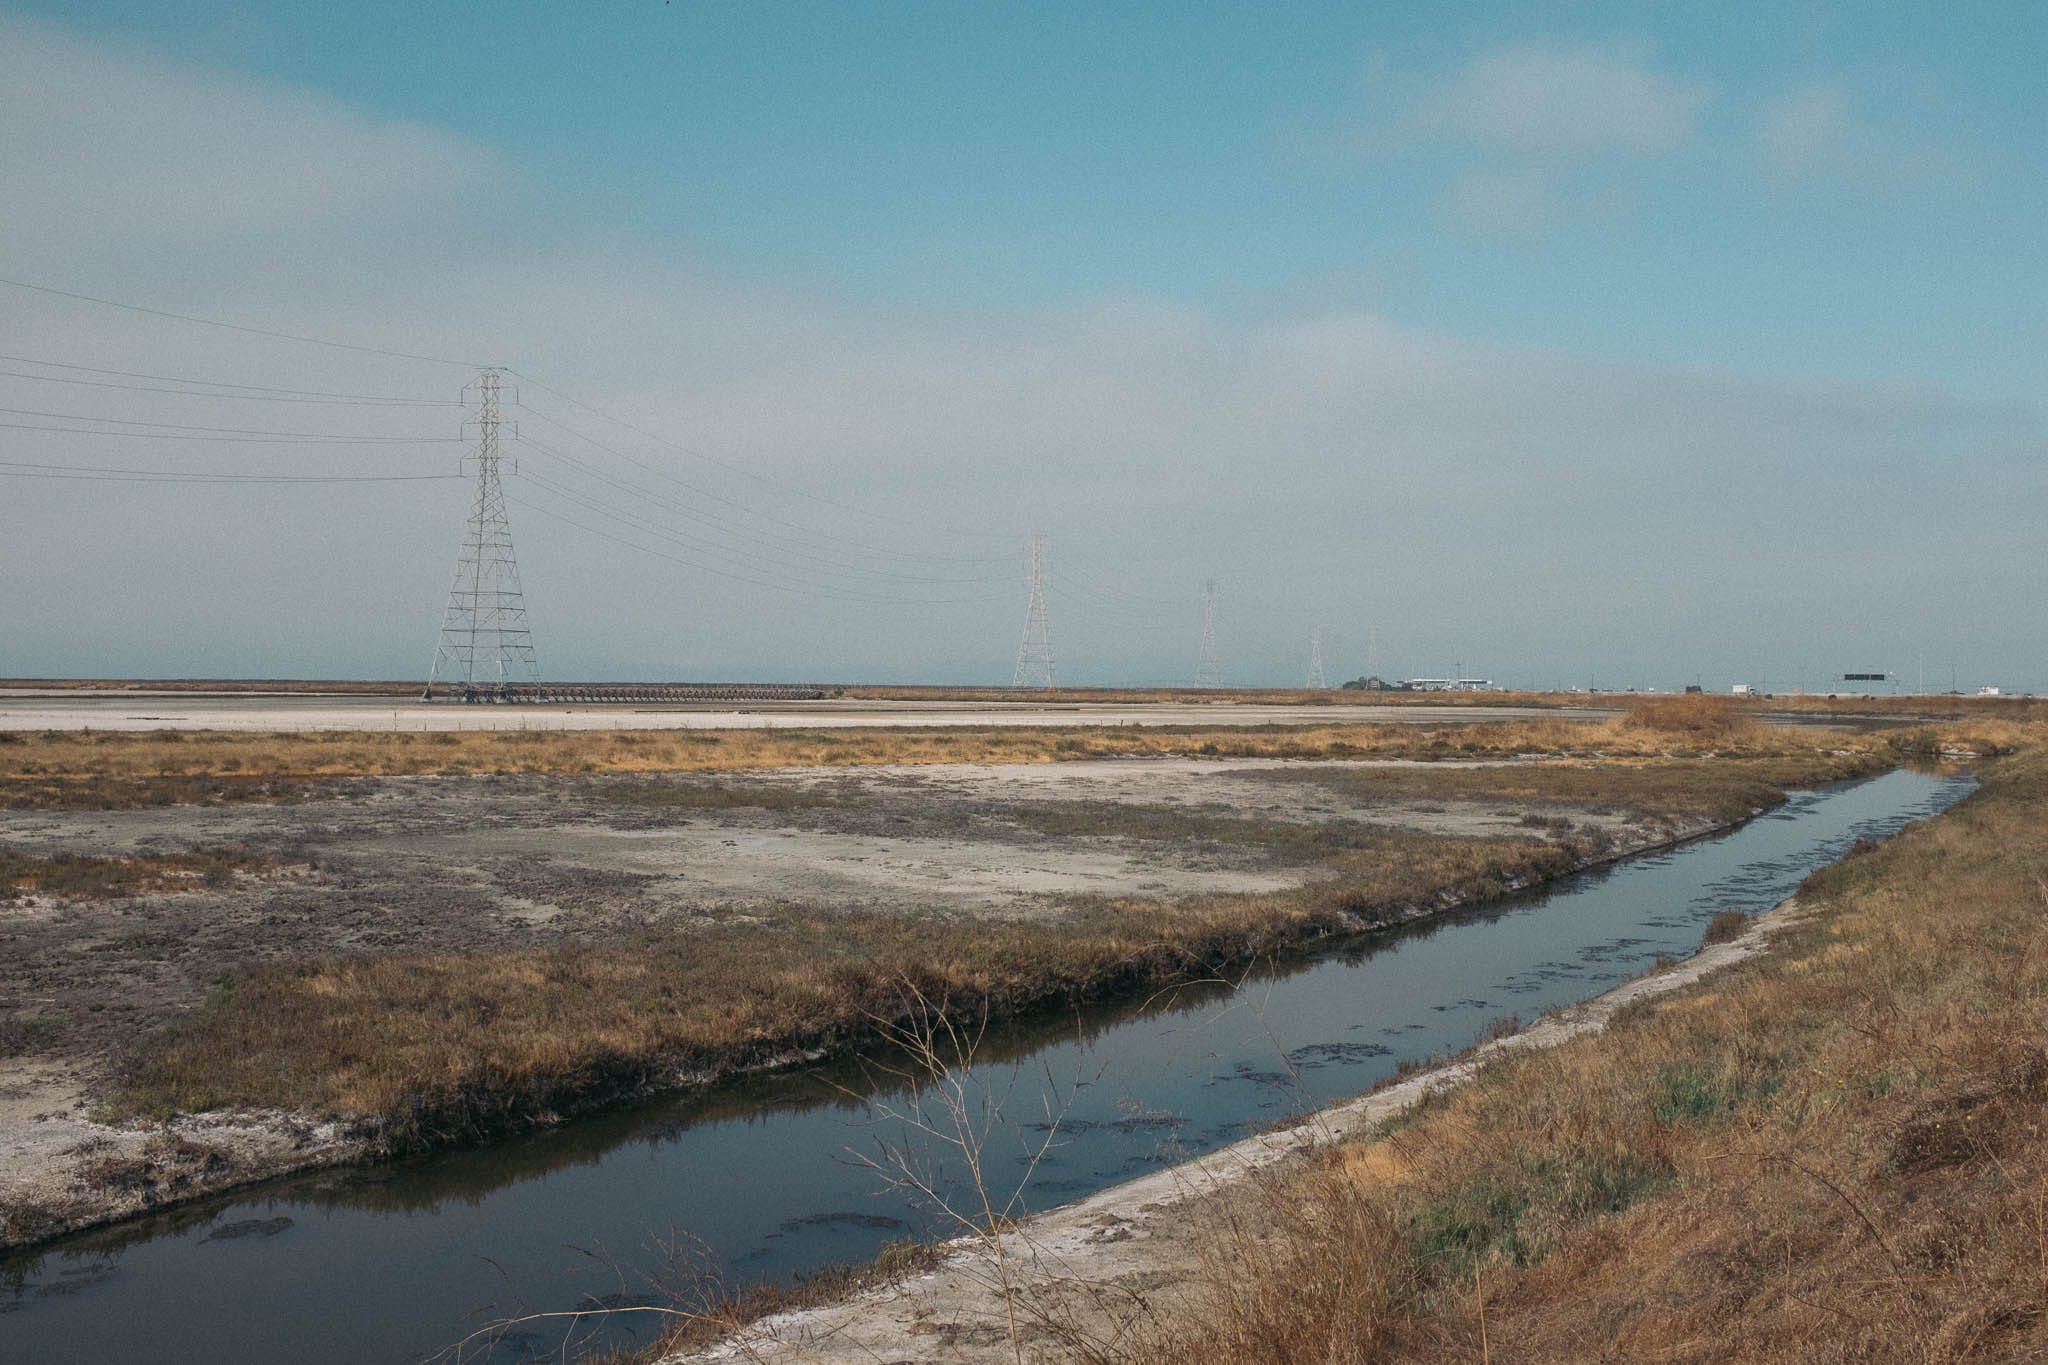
(1561, 102)
(103, 145)
(1534, 136)
(1818, 134)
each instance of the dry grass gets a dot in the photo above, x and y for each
(1697, 715)
(82, 770)
(438, 1049)
(95, 878)
(1720, 789)
(1725, 927)
(441, 1048)
(1833, 1152)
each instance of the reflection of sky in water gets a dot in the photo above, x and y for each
(396, 1263)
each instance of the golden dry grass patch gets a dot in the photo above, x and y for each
(86, 769)
(1837, 1151)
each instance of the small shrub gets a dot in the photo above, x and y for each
(1513, 1217)
(1725, 927)
(1689, 1093)
(1507, 1026)
(1696, 715)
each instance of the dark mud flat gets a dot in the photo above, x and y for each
(764, 1178)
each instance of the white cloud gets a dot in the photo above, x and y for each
(1561, 101)
(1819, 134)
(105, 147)
(1534, 136)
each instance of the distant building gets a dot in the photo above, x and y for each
(1374, 684)
(1740, 689)
(1449, 685)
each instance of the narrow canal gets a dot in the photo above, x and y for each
(783, 1174)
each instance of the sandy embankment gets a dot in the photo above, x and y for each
(60, 1171)
(1096, 1269)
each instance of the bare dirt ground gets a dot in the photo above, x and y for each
(464, 865)
(1090, 1273)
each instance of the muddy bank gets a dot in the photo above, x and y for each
(65, 1172)
(1091, 1271)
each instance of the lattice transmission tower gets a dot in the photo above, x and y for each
(1317, 681)
(1208, 667)
(486, 650)
(1034, 652)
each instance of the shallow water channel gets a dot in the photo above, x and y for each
(774, 1176)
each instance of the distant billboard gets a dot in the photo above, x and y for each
(1863, 677)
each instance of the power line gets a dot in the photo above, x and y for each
(281, 397)
(220, 431)
(227, 384)
(242, 440)
(775, 553)
(1098, 611)
(808, 532)
(471, 365)
(794, 589)
(1125, 601)
(748, 571)
(235, 326)
(748, 473)
(108, 474)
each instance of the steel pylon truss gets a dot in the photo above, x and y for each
(486, 648)
(1208, 664)
(1034, 653)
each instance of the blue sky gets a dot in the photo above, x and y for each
(1025, 155)
(1666, 307)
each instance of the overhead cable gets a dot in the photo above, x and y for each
(748, 473)
(238, 327)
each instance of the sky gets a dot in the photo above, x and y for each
(1594, 344)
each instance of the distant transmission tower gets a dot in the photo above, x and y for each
(1034, 653)
(1317, 682)
(486, 650)
(1208, 668)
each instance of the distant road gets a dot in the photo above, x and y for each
(79, 710)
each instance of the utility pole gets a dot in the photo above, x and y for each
(1316, 681)
(1208, 667)
(1034, 652)
(486, 648)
